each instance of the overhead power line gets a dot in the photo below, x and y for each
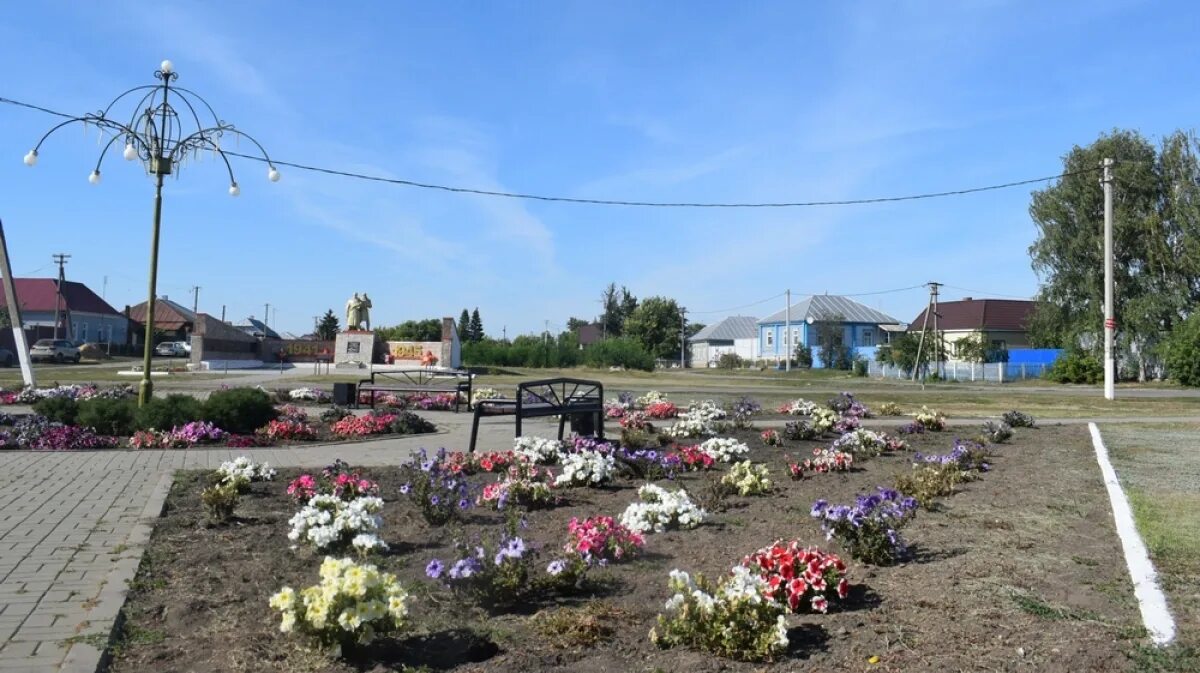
(613, 202)
(986, 294)
(772, 298)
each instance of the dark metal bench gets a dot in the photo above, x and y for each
(417, 380)
(562, 397)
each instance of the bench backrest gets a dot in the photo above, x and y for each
(560, 393)
(419, 377)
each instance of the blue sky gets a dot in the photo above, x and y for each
(664, 101)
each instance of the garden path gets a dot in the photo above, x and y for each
(73, 526)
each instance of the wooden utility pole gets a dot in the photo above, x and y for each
(61, 260)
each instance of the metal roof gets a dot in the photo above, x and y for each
(41, 294)
(829, 306)
(987, 314)
(729, 329)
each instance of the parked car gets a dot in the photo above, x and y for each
(58, 350)
(7, 358)
(174, 349)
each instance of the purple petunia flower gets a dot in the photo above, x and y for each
(404, 488)
(556, 567)
(434, 569)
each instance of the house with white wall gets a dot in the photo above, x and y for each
(736, 334)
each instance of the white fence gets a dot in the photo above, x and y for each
(996, 372)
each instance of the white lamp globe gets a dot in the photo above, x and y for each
(273, 174)
(130, 152)
(31, 158)
(166, 67)
(94, 178)
(234, 190)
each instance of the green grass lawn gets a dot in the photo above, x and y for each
(771, 387)
(1159, 467)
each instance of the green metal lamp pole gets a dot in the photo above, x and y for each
(146, 390)
(155, 134)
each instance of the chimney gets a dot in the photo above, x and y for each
(966, 298)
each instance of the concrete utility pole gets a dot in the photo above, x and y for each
(787, 331)
(682, 338)
(939, 344)
(14, 313)
(61, 260)
(195, 298)
(1110, 321)
(266, 317)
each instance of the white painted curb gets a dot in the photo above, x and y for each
(1151, 601)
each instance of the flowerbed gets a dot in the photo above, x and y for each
(949, 626)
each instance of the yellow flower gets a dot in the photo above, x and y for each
(874, 659)
(289, 621)
(396, 607)
(285, 599)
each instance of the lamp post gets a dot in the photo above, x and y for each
(162, 137)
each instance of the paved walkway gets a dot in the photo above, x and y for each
(73, 526)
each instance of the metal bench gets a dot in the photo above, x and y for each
(418, 380)
(576, 399)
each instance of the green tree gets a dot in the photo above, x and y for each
(476, 327)
(429, 329)
(573, 324)
(1156, 243)
(656, 324)
(464, 326)
(971, 348)
(835, 352)
(902, 351)
(327, 328)
(1181, 352)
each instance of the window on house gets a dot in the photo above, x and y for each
(868, 337)
(999, 344)
(795, 336)
(83, 332)
(770, 337)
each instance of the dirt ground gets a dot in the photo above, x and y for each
(1021, 570)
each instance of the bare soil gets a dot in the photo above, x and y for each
(1021, 570)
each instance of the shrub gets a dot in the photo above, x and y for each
(164, 413)
(1016, 419)
(861, 366)
(729, 361)
(636, 439)
(870, 528)
(1181, 352)
(930, 419)
(408, 423)
(57, 409)
(600, 539)
(797, 430)
(737, 618)
(997, 433)
(351, 605)
(586, 468)
(804, 358)
(239, 410)
(108, 416)
(771, 438)
(220, 500)
(620, 352)
(1076, 366)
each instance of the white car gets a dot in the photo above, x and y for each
(173, 349)
(57, 350)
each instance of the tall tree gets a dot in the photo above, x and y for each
(611, 318)
(476, 327)
(464, 326)
(327, 328)
(429, 329)
(1156, 221)
(656, 324)
(573, 324)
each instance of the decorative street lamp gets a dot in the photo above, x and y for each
(161, 136)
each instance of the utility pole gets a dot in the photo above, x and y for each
(682, 338)
(939, 344)
(61, 260)
(1110, 321)
(930, 309)
(195, 298)
(222, 313)
(787, 331)
(14, 313)
(546, 334)
(504, 333)
(266, 318)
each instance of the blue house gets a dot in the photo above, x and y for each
(857, 325)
